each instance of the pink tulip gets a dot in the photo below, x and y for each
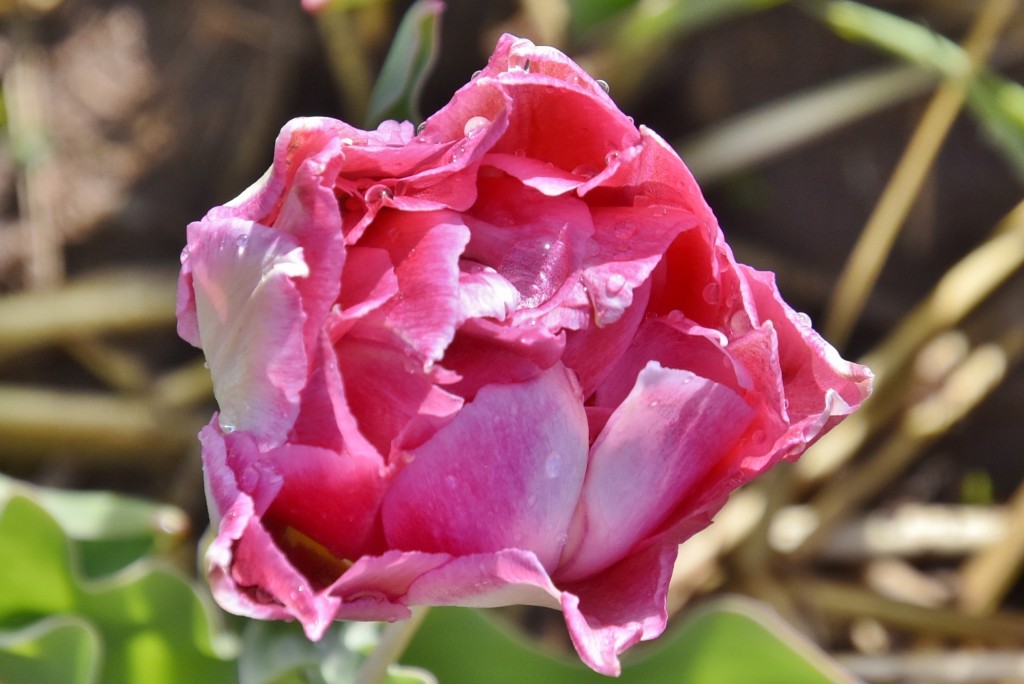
(505, 359)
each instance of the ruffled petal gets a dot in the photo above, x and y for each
(250, 322)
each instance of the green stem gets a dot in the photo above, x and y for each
(393, 641)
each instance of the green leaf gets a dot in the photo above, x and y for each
(702, 649)
(408, 65)
(152, 625)
(996, 102)
(111, 531)
(60, 649)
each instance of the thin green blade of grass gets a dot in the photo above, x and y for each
(783, 125)
(996, 102)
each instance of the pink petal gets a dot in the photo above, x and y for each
(516, 453)
(386, 391)
(250, 322)
(672, 428)
(630, 242)
(623, 605)
(398, 579)
(249, 575)
(537, 243)
(425, 249)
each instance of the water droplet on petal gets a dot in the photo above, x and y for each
(249, 479)
(616, 282)
(585, 170)
(475, 125)
(712, 293)
(653, 404)
(421, 127)
(476, 73)
(610, 157)
(553, 465)
(625, 230)
(456, 153)
(803, 319)
(739, 323)
(604, 85)
(226, 428)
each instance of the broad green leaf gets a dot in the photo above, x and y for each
(703, 649)
(997, 103)
(408, 65)
(152, 625)
(61, 649)
(111, 530)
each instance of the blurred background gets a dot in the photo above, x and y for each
(871, 154)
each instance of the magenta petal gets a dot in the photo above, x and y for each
(672, 429)
(515, 454)
(250, 323)
(622, 606)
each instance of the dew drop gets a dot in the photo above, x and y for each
(585, 170)
(346, 141)
(475, 125)
(249, 479)
(803, 319)
(553, 465)
(739, 323)
(653, 404)
(547, 246)
(226, 428)
(610, 157)
(712, 293)
(206, 365)
(616, 282)
(457, 152)
(604, 85)
(625, 230)
(475, 74)
(421, 127)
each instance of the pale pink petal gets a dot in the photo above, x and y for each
(485, 293)
(533, 173)
(672, 429)
(515, 454)
(250, 322)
